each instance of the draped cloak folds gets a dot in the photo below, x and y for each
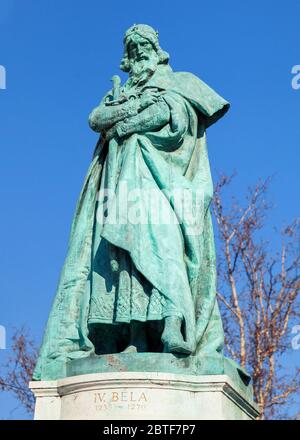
(180, 265)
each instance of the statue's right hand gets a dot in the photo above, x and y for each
(149, 97)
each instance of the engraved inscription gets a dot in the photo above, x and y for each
(134, 400)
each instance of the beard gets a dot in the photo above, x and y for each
(142, 70)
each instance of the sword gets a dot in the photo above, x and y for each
(112, 250)
(116, 80)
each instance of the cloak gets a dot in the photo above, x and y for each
(179, 264)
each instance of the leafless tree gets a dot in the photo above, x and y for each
(16, 373)
(258, 290)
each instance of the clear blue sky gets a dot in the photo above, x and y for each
(59, 56)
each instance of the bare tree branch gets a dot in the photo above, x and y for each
(260, 293)
(19, 367)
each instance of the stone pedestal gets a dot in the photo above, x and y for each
(144, 396)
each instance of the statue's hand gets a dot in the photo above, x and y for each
(111, 133)
(154, 115)
(149, 97)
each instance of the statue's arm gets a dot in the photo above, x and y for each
(151, 118)
(105, 116)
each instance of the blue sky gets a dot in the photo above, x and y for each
(59, 57)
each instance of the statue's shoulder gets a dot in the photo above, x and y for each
(187, 76)
(200, 95)
(168, 79)
(192, 85)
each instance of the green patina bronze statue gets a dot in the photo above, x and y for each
(139, 280)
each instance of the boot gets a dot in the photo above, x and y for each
(172, 338)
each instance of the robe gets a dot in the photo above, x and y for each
(171, 266)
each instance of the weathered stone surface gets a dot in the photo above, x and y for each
(165, 363)
(130, 396)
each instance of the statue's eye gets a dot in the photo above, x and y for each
(132, 47)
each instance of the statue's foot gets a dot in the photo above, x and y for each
(172, 338)
(176, 346)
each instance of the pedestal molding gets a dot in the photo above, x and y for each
(183, 388)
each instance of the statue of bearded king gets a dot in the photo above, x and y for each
(140, 274)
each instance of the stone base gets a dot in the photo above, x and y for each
(144, 396)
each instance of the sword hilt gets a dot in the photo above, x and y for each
(116, 86)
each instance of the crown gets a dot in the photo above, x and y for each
(144, 30)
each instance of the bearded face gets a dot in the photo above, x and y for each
(143, 59)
